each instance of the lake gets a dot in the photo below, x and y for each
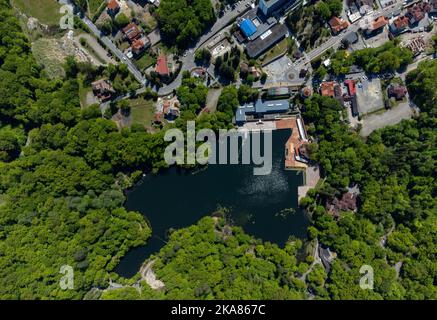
(177, 199)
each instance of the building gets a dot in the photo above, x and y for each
(171, 110)
(416, 13)
(350, 38)
(399, 25)
(347, 202)
(337, 24)
(113, 7)
(132, 32)
(376, 26)
(267, 7)
(139, 45)
(102, 89)
(247, 27)
(306, 92)
(269, 38)
(162, 66)
(327, 88)
(326, 256)
(396, 91)
(260, 110)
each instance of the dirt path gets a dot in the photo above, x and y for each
(149, 276)
(212, 99)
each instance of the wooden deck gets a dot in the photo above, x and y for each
(293, 143)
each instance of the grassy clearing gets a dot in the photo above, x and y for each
(83, 91)
(47, 53)
(150, 20)
(94, 6)
(46, 11)
(144, 62)
(142, 112)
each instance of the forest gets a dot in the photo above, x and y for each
(184, 21)
(63, 172)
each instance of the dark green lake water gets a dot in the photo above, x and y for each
(177, 199)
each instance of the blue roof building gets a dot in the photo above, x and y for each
(248, 27)
(260, 109)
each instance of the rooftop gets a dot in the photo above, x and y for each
(113, 5)
(162, 66)
(379, 22)
(132, 31)
(248, 27)
(266, 40)
(337, 24)
(260, 108)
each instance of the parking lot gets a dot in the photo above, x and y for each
(388, 118)
(369, 95)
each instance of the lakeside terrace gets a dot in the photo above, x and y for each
(294, 159)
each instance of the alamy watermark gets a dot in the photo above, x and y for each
(67, 19)
(203, 146)
(67, 281)
(366, 281)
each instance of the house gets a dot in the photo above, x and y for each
(396, 91)
(102, 89)
(327, 88)
(399, 25)
(326, 256)
(139, 45)
(132, 32)
(337, 24)
(171, 110)
(376, 26)
(415, 14)
(347, 202)
(162, 66)
(113, 7)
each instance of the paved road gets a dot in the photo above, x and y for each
(335, 40)
(110, 45)
(188, 60)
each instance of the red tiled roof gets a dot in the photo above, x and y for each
(113, 5)
(162, 66)
(379, 22)
(401, 22)
(351, 87)
(338, 24)
(137, 45)
(327, 88)
(131, 31)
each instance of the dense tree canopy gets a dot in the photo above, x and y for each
(183, 21)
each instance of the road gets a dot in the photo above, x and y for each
(188, 60)
(335, 40)
(110, 45)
